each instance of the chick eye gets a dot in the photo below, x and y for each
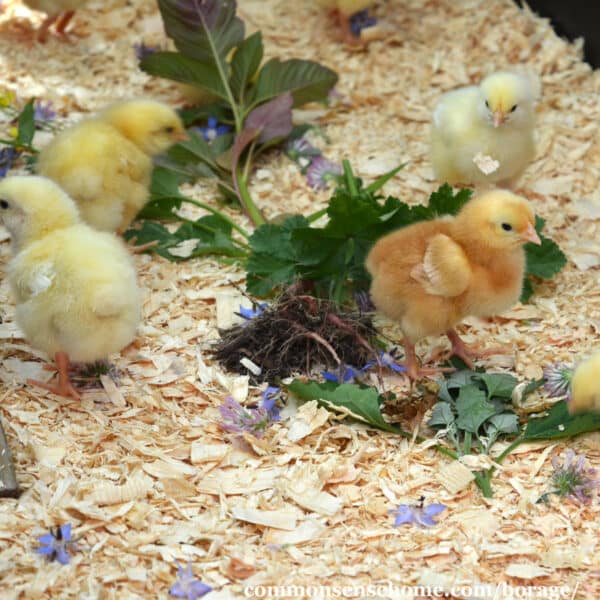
(169, 129)
(3, 204)
(513, 108)
(487, 104)
(507, 226)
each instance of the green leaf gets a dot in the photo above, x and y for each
(165, 183)
(363, 402)
(26, 125)
(175, 66)
(503, 423)
(441, 415)
(445, 202)
(473, 408)
(560, 424)
(499, 384)
(527, 289)
(545, 260)
(308, 81)
(381, 181)
(205, 30)
(245, 63)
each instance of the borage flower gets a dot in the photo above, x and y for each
(345, 374)
(267, 401)
(238, 418)
(301, 148)
(55, 544)
(361, 20)
(8, 156)
(250, 313)
(142, 50)
(558, 380)
(417, 514)
(572, 479)
(212, 130)
(187, 586)
(43, 113)
(387, 360)
(321, 172)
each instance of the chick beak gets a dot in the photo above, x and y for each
(499, 118)
(530, 235)
(181, 136)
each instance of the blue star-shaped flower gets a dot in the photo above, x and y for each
(213, 129)
(417, 515)
(55, 544)
(250, 313)
(268, 399)
(187, 586)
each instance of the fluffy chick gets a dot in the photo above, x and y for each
(344, 9)
(585, 386)
(75, 288)
(494, 119)
(105, 162)
(57, 11)
(431, 275)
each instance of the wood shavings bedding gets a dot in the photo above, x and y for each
(307, 505)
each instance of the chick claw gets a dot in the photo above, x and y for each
(468, 353)
(414, 371)
(64, 387)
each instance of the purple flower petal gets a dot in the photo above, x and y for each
(321, 171)
(434, 509)
(62, 556)
(65, 532)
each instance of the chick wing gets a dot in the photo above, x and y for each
(445, 269)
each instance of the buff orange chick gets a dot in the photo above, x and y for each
(431, 275)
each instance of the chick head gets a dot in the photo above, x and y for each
(152, 126)
(31, 207)
(585, 386)
(499, 219)
(506, 98)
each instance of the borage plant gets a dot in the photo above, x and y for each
(254, 101)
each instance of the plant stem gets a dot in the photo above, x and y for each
(214, 211)
(316, 215)
(247, 202)
(349, 175)
(482, 479)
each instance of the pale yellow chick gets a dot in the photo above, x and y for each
(494, 120)
(75, 288)
(585, 386)
(344, 9)
(431, 275)
(57, 11)
(105, 162)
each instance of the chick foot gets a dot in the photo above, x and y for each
(64, 387)
(414, 371)
(468, 353)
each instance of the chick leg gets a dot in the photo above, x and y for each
(64, 21)
(42, 35)
(413, 369)
(64, 387)
(468, 353)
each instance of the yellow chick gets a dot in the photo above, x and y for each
(75, 288)
(57, 11)
(492, 123)
(431, 275)
(105, 162)
(585, 386)
(344, 9)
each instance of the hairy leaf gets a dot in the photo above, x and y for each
(205, 30)
(178, 67)
(362, 402)
(307, 81)
(560, 424)
(473, 409)
(441, 415)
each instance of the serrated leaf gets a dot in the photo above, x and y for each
(175, 66)
(362, 401)
(202, 29)
(527, 291)
(545, 260)
(499, 384)
(444, 202)
(560, 424)
(441, 415)
(473, 409)
(245, 63)
(308, 81)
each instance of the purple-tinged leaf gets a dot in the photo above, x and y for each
(273, 119)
